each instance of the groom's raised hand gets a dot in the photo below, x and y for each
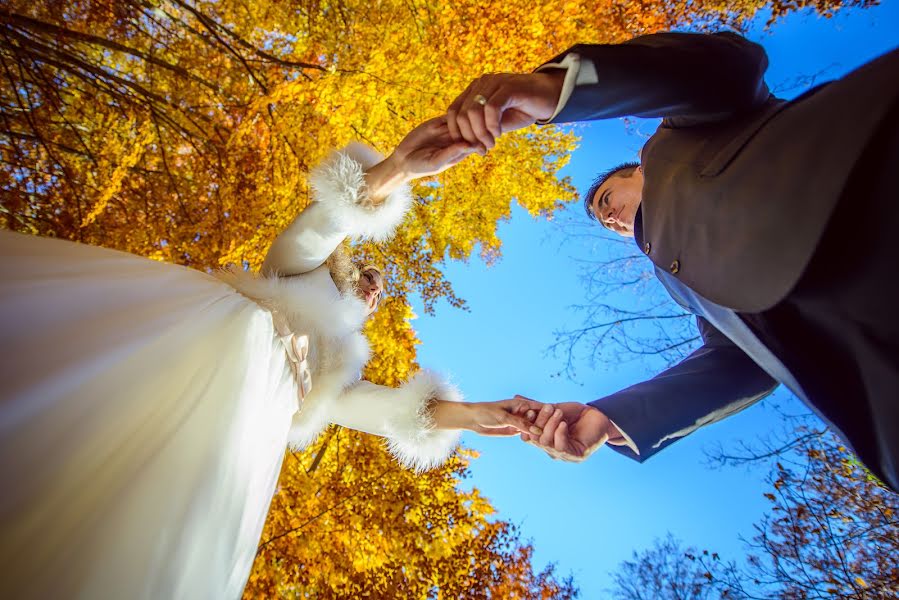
(571, 431)
(501, 102)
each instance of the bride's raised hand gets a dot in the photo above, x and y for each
(426, 150)
(429, 149)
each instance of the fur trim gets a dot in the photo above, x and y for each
(346, 363)
(339, 184)
(413, 440)
(310, 301)
(337, 349)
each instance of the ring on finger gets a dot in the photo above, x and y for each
(479, 99)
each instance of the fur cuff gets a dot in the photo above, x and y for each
(414, 441)
(339, 184)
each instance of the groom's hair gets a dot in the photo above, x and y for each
(601, 179)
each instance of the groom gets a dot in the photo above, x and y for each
(771, 221)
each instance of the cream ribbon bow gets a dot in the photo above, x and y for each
(297, 347)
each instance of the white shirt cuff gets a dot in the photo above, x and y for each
(625, 441)
(578, 71)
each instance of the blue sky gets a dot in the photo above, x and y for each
(588, 517)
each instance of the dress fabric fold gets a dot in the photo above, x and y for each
(144, 413)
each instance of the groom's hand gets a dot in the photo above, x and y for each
(494, 104)
(571, 431)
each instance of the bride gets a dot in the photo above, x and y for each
(145, 407)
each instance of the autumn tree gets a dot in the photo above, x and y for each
(348, 521)
(183, 130)
(832, 530)
(664, 571)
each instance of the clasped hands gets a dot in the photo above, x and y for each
(568, 431)
(490, 106)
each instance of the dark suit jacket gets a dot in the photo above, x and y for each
(714, 382)
(738, 185)
(738, 189)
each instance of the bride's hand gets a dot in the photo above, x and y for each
(503, 418)
(426, 150)
(429, 149)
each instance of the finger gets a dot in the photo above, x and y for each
(492, 118)
(516, 408)
(497, 103)
(437, 123)
(525, 438)
(531, 415)
(476, 121)
(549, 430)
(474, 114)
(432, 126)
(508, 419)
(524, 405)
(471, 114)
(477, 112)
(520, 405)
(452, 154)
(544, 414)
(560, 440)
(499, 431)
(465, 129)
(452, 114)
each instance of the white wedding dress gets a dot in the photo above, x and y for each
(144, 412)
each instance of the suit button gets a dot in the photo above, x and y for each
(675, 267)
(647, 247)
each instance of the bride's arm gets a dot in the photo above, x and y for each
(356, 192)
(422, 419)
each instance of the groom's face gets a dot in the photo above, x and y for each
(616, 201)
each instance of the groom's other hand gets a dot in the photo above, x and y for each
(501, 102)
(571, 431)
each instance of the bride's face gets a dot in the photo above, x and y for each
(370, 288)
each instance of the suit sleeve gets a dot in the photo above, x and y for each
(683, 77)
(401, 415)
(339, 209)
(712, 383)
